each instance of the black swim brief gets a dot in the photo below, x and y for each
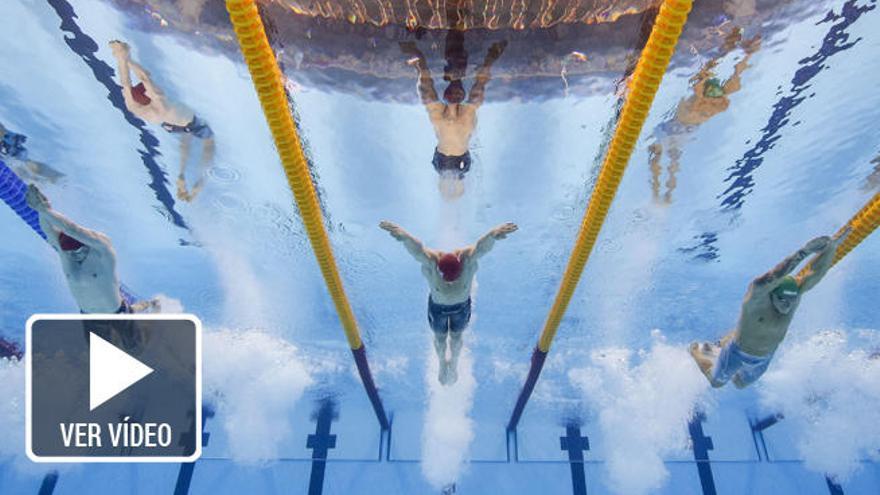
(121, 331)
(448, 318)
(459, 164)
(124, 309)
(197, 127)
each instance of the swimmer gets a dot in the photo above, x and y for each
(449, 277)
(769, 306)
(710, 97)
(453, 121)
(13, 151)
(146, 101)
(87, 259)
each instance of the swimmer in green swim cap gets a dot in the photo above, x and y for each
(710, 97)
(769, 306)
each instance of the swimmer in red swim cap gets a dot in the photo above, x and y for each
(449, 275)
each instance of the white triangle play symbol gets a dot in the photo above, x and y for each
(110, 371)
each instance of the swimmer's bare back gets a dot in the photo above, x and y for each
(90, 268)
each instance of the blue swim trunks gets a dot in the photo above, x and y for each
(733, 361)
(449, 318)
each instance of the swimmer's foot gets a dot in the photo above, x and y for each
(705, 357)
(451, 375)
(443, 375)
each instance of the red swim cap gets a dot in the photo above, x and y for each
(450, 266)
(68, 243)
(139, 93)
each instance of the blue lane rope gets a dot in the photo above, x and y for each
(12, 191)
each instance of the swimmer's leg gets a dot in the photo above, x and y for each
(749, 375)
(151, 306)
(206, 163)
(185, 146)
(655, 153)
(440, 348)
(455, 345)
(705, 356)
(207, 153)
(674, 166)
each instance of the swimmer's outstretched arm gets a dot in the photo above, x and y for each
(415, 247)
(126, 65)
(734, 83)
(821, 263)
(478, 90)
(487, 242)
(52, 221)
(427, 92)
(770, 280)
(120, 51)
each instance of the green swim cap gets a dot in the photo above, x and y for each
(713, 89)
(788, 287)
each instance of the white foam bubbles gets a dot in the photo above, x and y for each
(643, 402)
(448, 430)
(255, 381)
(11, 409)
(832, 396)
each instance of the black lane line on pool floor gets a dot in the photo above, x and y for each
(47, 487)
(184, 476)
(758, 428)
(320, 443)
(575, 445)
(86, 47)
(702, 445)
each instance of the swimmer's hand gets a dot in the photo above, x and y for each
(120, 49)
(818, 244)
(36, 199)
(501, 231)
(395, 230)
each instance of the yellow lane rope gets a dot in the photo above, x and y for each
(269, 86)
(646, 79)
(863, 223)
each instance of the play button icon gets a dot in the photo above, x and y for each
(113, 388)
(110, 371)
